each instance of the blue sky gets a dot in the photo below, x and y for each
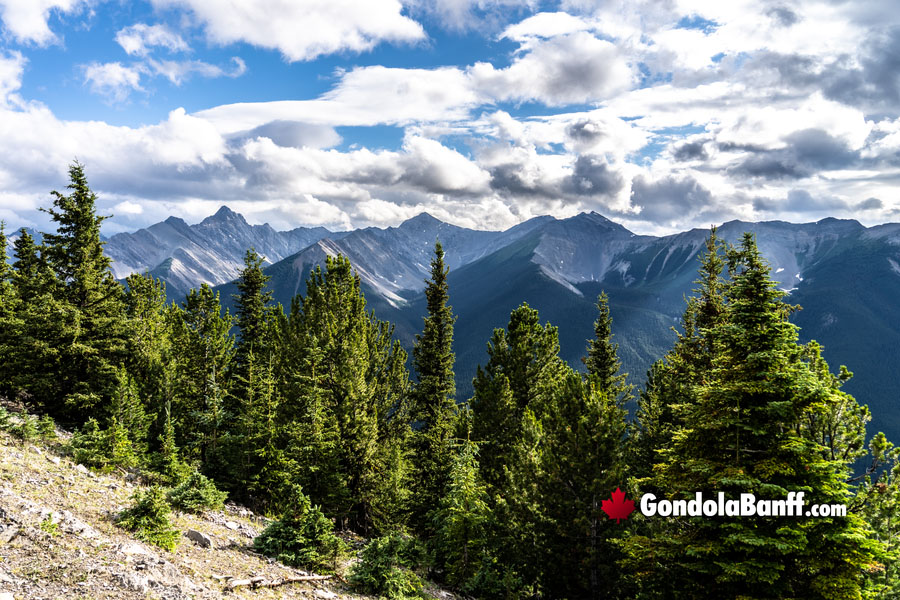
(349, 113)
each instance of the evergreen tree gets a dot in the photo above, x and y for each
(10, 328)
(602, 359)
(740, 431)
(513, 394)
(461, 523)
(203, 349)
(434, 406)
(252, 381)
(93, 335)
(348, 392)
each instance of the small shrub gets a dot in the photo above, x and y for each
(5, 422)
(102, 449)
(303, 537)
(196, 494)
(49, 526)
(148, 519)
(46, 428)
(27, 430)
(387, 568)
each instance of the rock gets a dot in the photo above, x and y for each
(81, 469)
(4, 578)
(54, 459)
(6, 596)
(232, 525)
(325, 594)
(8, 534)
(199, 538)
(132, 548)
(71, 524)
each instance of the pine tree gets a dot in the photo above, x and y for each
(10, 326)
(252, 379)
(513, 393)
(434, 406)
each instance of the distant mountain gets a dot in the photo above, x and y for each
(211, 251)
(844, 275)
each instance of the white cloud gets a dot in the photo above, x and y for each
(568, 69)
(112, 80)
(12, 66)
(363, 96)
(129, 208)
(179, 71)
(546, 25)
(26, 20)
(303, 30)
(140, 38)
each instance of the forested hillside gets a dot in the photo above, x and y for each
(315, 414)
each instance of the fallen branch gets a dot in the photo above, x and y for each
(261, 582)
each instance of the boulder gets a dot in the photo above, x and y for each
(199, 538)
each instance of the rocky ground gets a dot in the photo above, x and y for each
(58, 539)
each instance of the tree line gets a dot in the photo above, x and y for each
(313, 407)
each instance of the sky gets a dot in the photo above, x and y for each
(662, 115)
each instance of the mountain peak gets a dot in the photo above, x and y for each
(224, 215)
(423, 219)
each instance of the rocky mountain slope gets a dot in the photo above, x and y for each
(58, 539)
(211, 251)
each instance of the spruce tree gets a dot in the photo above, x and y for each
(203, 350)
(740, 430)
(434, 406)
(346, 398)
(602, 359)
(93, 333)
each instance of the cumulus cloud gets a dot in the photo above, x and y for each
(303, 30)
(12, 65)
(568, 69)
(113, 80)
(26, 20)
(140, 38)
(670, 199)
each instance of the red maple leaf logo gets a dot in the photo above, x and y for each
(618, 507)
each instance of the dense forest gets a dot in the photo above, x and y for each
(316, 416)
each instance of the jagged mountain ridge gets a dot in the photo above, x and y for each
(846, 277)
(211, 251)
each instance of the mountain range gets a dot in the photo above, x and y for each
(846, 278)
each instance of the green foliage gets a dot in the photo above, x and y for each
(5, 421)
(102, 449)
(433, 405)
(196, 494)
(49, 526)
(344, 393)
(751, 422)
(27, 429)
(387, 568)
(203, 350)
(148, 519)
(302, 537)
(85, 323)
(46, 428)
(462, 521)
